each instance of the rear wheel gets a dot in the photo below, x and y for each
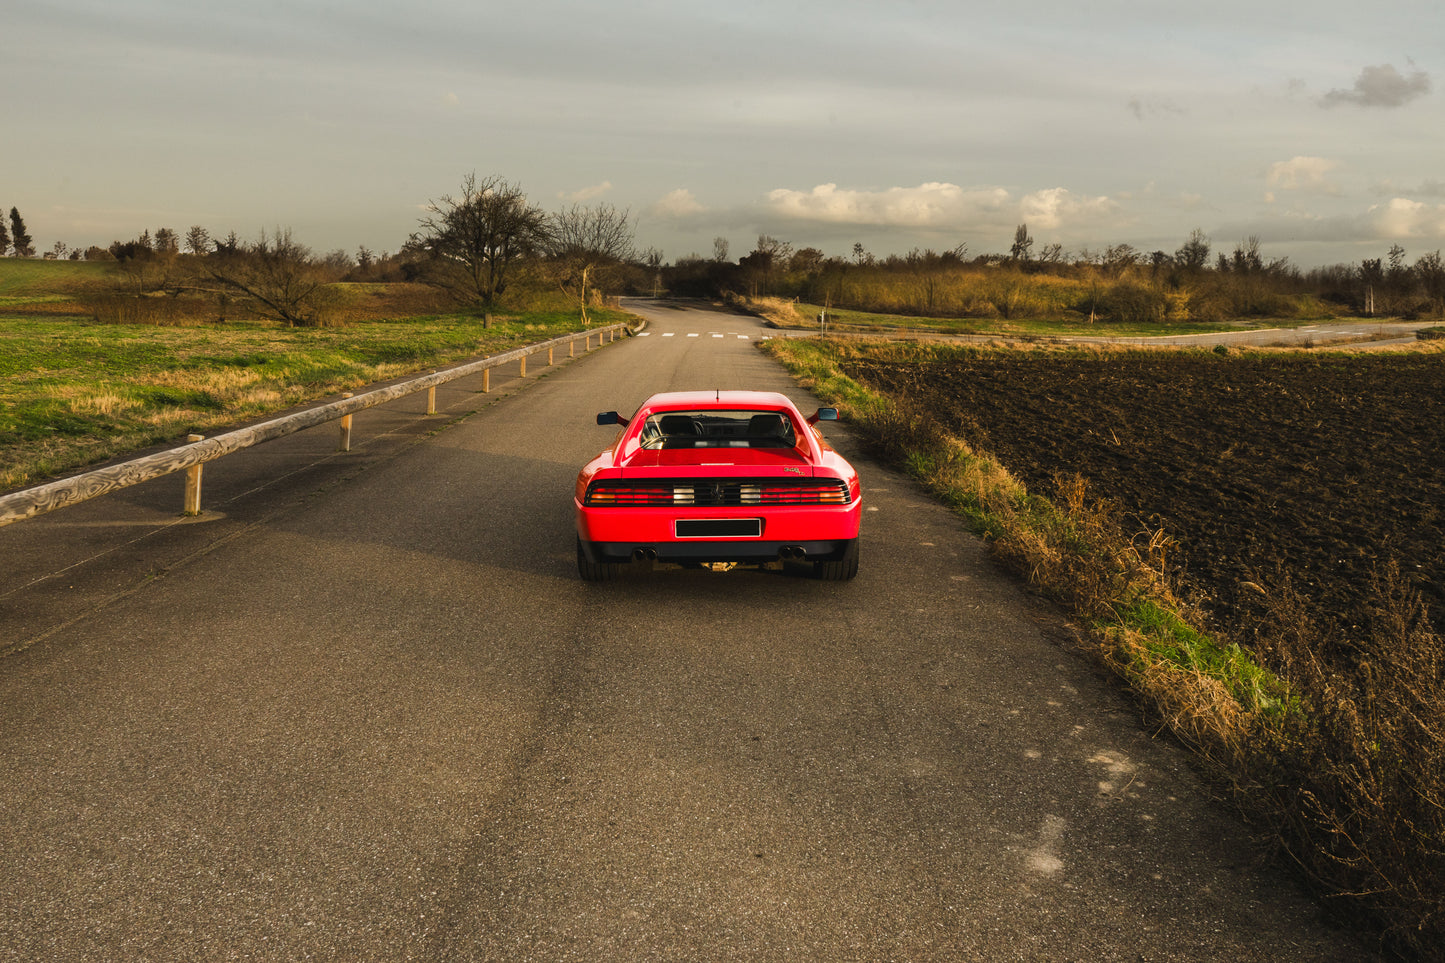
(841, 570)
(595, 571)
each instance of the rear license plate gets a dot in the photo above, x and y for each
(719, 527)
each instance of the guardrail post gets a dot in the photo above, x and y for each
(572, 348)
(549, 356)
(345, 442)
(587, 341)
(193, 483)
(431, 399)
(486, 380)
(524, 366)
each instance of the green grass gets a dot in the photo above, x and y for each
(73, 392)
(28, 279)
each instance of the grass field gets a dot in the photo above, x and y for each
(73, 392)
(25, 278)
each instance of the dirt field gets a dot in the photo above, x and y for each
(1322, 465)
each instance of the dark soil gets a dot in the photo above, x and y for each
(1324, 467)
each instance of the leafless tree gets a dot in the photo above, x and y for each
(276, 275)
(583, 243)
(198, 240)
(469, 245)
(1023, 244)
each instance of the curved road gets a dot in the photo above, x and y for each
(369, 712)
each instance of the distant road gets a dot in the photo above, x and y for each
(369, 712)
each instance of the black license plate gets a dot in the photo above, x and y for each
(719, 527)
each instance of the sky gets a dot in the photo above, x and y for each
(1317, 127)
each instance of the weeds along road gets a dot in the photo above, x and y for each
(371, 713)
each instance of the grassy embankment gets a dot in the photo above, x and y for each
(1084, 298)
(803, 316)
(1344, 770)
(74, 392)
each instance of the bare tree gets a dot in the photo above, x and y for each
(276, 274)
(166, 242)
(198, 240)
(469, 245)
(1194, 255)
(765, 261)
(583, 243)
(1023, 244)
(720, 249)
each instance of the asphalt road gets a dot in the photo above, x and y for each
(369, 712)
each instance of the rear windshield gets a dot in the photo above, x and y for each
(718, 429)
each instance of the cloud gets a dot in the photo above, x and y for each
(1306, 174)
(1052, 208)
(1428, 188)
(586, 193)
(676, 204)
(927, 205)
(1380, 86)
(1401, 218)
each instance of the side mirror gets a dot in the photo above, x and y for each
(823, 414)
(611, 418)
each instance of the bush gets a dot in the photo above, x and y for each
(1131, 302)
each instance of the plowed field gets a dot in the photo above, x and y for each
(1323, 466)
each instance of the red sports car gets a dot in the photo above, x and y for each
(718, 476)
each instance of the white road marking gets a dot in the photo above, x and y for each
(668, 334)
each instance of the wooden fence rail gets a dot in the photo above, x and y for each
(69, 491)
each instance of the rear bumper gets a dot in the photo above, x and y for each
(752, 550)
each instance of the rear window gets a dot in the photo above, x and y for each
(718, 429)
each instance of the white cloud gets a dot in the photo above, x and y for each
(678, 203)
(1380, 86)
(586, 193)
(927, 205)
(1053, 208)
(1306, 174)
(1402, 218)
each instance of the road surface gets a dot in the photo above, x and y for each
(368, 711)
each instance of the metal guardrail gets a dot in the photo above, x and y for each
(30, 502)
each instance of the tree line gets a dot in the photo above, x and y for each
(471, 248)
(1119, 283)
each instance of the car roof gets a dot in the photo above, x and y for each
(715, 399)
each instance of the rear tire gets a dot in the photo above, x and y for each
(596, 571)
(841, 570)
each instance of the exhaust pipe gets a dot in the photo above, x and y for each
(644, 554)
(792, 551)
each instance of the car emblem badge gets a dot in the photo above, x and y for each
(796, 471)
